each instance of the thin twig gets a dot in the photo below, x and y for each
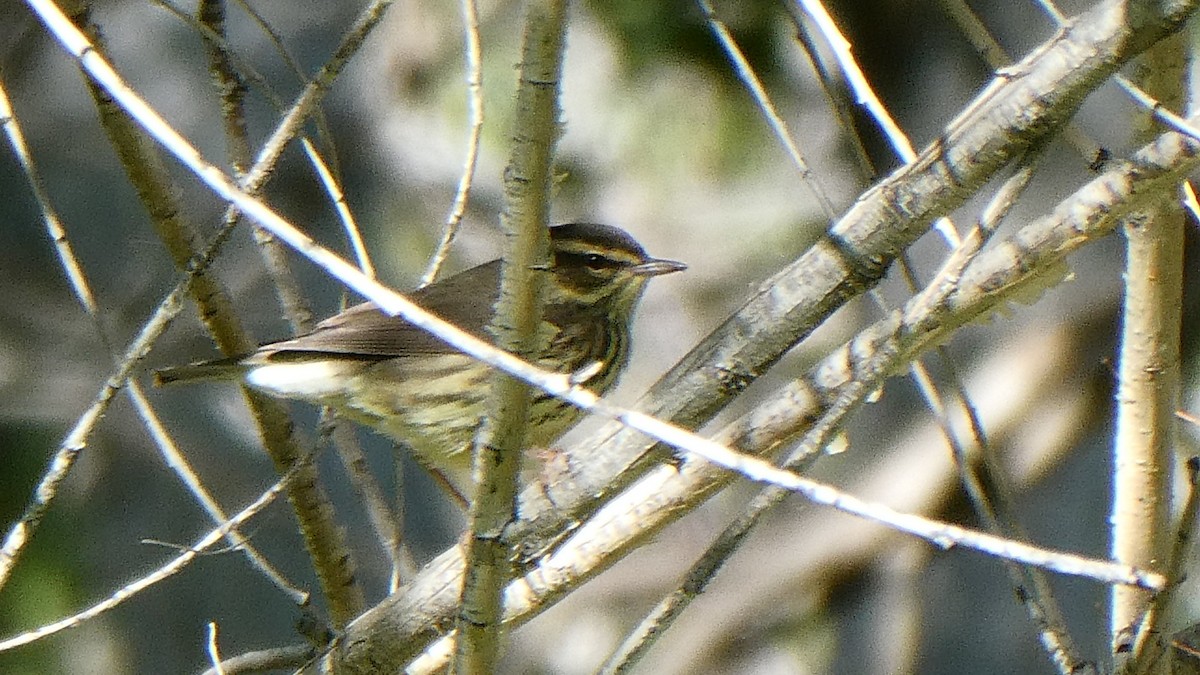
(474, 54)
(170, 568)
(762, 99)
(338, 197)
(352, 40)
(214, 653)
(865, 96)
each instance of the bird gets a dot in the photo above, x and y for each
(409, 385)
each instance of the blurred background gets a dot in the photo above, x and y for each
(660, 138)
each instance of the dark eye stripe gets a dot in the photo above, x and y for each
(590, 260)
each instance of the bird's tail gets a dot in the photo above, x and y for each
(205, 371)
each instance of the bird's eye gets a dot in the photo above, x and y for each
(594, 261)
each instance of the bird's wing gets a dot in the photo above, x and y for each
(363, 331)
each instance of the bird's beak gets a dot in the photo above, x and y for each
(655, 267)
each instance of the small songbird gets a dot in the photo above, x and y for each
(385, 373)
